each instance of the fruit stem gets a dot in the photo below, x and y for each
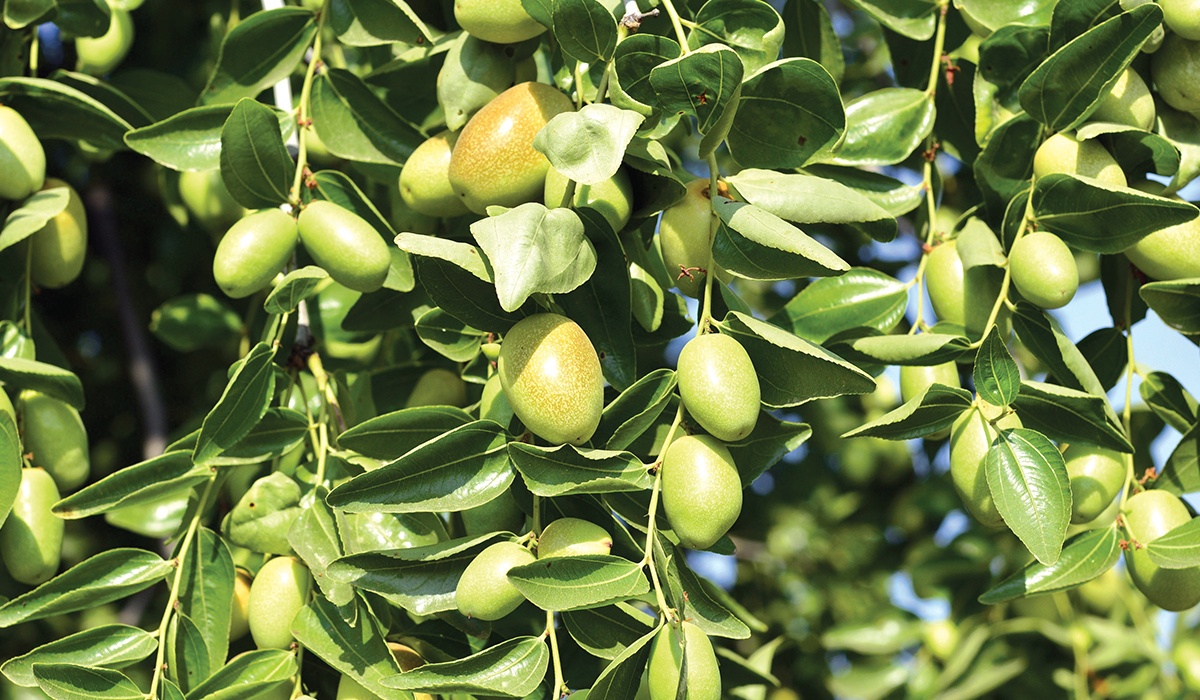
(537, 515)
(27, 318)
(33, 54)
(1002, 297)
(670, 7)
(714, 174)
(648, 552)
(931, 206)
(302, 118)
(1127, 411)
(558, 674)
(939, 43)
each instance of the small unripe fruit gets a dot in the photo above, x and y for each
(493, 405)
(701, 490)
(484, 591)
(425, 179)
(342, 242)
(1171, 253)
(1183, 17)
(60, 247)
(253, 251)
(964, 297)
(501, 514)
(279, 590)
(438, 387)
(1175, 68)
(55, 436)
(685, 237)
(551, 376)
(1128, 102)
(971, 437)
(612, 198)
(1148, 516)
(1063, 153)
(1096, 475)
(666, 661)
(207, 199)
(718, 386)
(239, 613)
(31, 537)
(499, 21)
(1044, 270)
(22, 160)
(915, 380)
(573, 537)
(99, 55)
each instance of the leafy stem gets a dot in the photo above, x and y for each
(931, 215)
(1127, 411)
(302, 118)
(1002, 297)
(714, 176)
(939, 43)
(554, 655)
(27, 319)
(677, 25)
(652, 513)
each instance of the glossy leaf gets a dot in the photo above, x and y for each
(43, 377)
(393, 435)
(314, 536)
(587, 146)
(187, 657)
(699, 606)
(914, 19)
(935, 409)
(770, 440)
(255, 165)
(997, 378)
(706, 84)
(1178, 548)
(1181, 473)
(194, 321)
(750, 27)
(1027, 477)
(374, 22)
(789, 112)
(803, 199)
(585, 30)
(296, 286)
(892, 195)
(358, 651)
(607, 632)
(354, 123)
(1068, 415)
(206, 594)
(566, 469)
(511, 668)
(260, 51)
(450, 337)
(1046, 340)
(191, 139)
(240, 407)
(920, 350)
(756, 244)
(860, 297)
(635, 410)
(167, 474)
(1084, 557)
(883, 127)
(65, 681)
(263, 517)
(32, 215)
(10, 464)
(55, 110)
(633, 60)
(248, 675)
(577, 582)
(1176, 302)
(1169, 400)
(107, 646)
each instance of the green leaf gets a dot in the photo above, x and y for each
(920, 350)
(1068, 86)
(770, 440)
(804, 199)
(790, 111)
(371, 532)
(1177, 303)
(1005, 165)
(533, 249)
(607, 632)
(394, 434)
(206, 594)
(314, 536)
(1099, 218)
(20, 373)
(59, 111)
(107, 646)
(263, 517)
(578, 582)
(885, 126)
(296, 286)
(191, 139)
(187, 657)
(65, 681)
(622, 678)
(105, 93)
(706, 84)
(195, 321)
(247, 675)
(260, 51)
(860, 297)
(566, 469)
(892, 195)
(790, 370)
(690, 593)
(587, 146)
(997, 378)
(633, 60)
(1068, 415)
(914, 19)
(107, 576)
(635, 410)
(1169, 400)
(1181, 473)
(462, 255)
(1183, 132)
(755, 244)
(1028, 480)
(354, 123)
(1084, 557)
(10, 463)
(278, 432)
(935, 409)
(885, 635)
(375, 22)
(809, 33)
(511, 668)
(752, 28)
(1042, 335)
(255, 165)
(1178, 548)
(585, 30)
(474, 73)
(241, 406)
(358, 651)
(461, 469)
(145, 482)
(450, 337)
(20, 14)
(33, 214)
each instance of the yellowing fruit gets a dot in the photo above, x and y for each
(22, 160)
(425, 179)
(1128, 101)
(611, 198)
(685, 237)
(573, 537)
(499, 21)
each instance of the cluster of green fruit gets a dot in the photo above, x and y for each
(100, 55)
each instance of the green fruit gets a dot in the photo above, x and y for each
(1128, 102)
(1171, 253)
(55, 436)
(494, 161)
(941, 638)
(22, 160)
(551, 376)
(239, 613)
(493, 405)
(342, 242)
(1183, 17)
(209, 202)
(1062, 153)
(666, 660)
(964, 297)
(718, 386)
(1044, 270)
(573, 537)
(1096, 475)
(611, 198)
(499, 21)
(915, 380)
(970, 438)
(438, 387)
(1148, 516)
(1175, 68)
(685, 237)
(31, 538)
(279, 590)
(253, 251)
(99, 55)
(474, 73)
(60, 246)
(701, 490)
(425, 180)
(501, 514)
(484, 591)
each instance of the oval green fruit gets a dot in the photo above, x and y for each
(964, 297)
(494, 161)
(501, 514)
(573, 537)
(685, 238)
(342, 242)
(99, 55)
(239, 612)
(915, 380)
(1175, 68)
(31, 537)
(1063, 153)
(551, 376)
(55, 436)
(499, 21)
(425, 179)
(60, 247)
(1183, 17)
(1127, 102)
(484, 591)
(22, 159)
(253, 251)
(1148, 516)
(279, 590)
(1171, 253)
(611, 198)
(1096, 475)
(438, 387)
(701, 490)
(970, 438)
(493, 405)
(666, 662)
(718, 386)
(204, 194)
(1043, 268)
